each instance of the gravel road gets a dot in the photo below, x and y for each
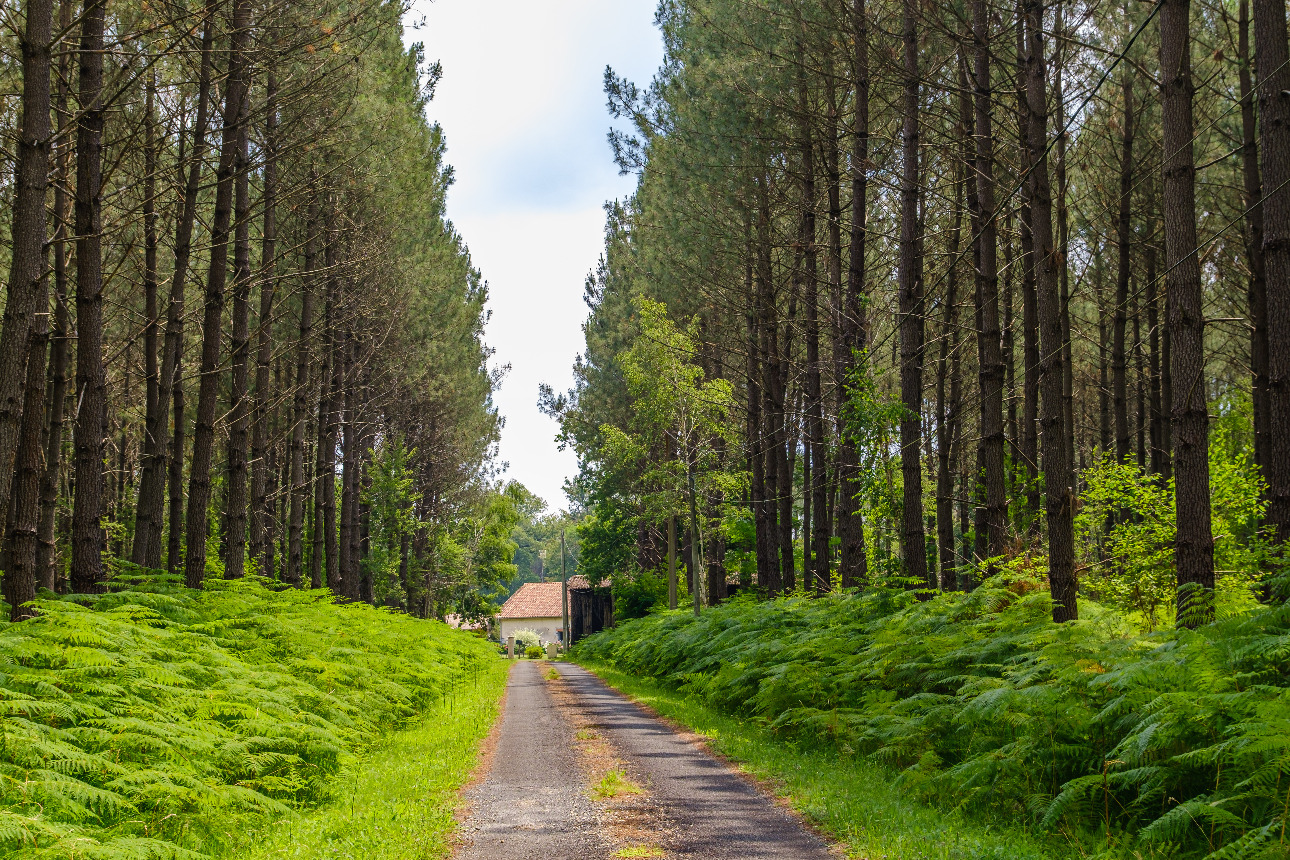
(534, 802)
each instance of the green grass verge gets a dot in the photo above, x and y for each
(855, 801)
(396, 802)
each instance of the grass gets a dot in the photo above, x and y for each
(553, 674)
(397, 802)
(853, 800)
(639, 851)
(613, 784)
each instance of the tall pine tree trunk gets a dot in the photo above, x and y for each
(261, 467)
(199, 479)
(1124, 238)
(91, 397)
(1059, 483)
(1273, 87)
(300, 406)
(853, 564)
(157, 449)
(239, 373)
(1258, 284)
(1194, 546)
(46, 551)
(27, 257)
(989, 342)
(24, 504)
(913, 542)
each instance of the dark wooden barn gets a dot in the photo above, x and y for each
(591, 609)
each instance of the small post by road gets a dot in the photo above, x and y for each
(564, 592)
(510, 647)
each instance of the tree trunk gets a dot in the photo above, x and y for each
(91, 426)
(1194, 548)
(239, 400)
(24, 504)
(989, 342)
(1029, 297)
(1058, 478)
(199, 479)
(27, 261)
(328, 433)
(913, 541)
(853, 563)
(1124, 238)
(1258, 285)
(47, 566)
(261, 468)
(947, 409)
(300, 406)
(152, 321)
(175, 472)
(1273, 87)
(157, 443)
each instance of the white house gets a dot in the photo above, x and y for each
(537, 606)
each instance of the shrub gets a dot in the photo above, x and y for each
(534, 652)
(1173, 737)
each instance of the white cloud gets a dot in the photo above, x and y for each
(524, 116)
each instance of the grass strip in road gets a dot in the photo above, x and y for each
(853, 800)
(397, 801)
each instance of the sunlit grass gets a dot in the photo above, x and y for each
(397, 802)
(613, 784)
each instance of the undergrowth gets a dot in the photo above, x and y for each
(159, 722)
(398, 801)
(1170, 744)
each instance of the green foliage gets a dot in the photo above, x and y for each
(534, 652)
(606, 536)
(398, 802)
(855, 800)
(391, 498)
(1174, 738)
(1127, 527)
(525, 639)
(162, 722)
(636, 592)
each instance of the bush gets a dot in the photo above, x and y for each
(1169, 738)
(160, 721)
(533, 652)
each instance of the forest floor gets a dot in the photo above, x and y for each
(578, 770)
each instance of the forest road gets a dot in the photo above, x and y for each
(533, 804)
(535, 801)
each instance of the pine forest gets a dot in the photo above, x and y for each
(931, 422)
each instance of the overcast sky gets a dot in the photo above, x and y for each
(521, 106)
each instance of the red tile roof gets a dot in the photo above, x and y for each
(534, 600)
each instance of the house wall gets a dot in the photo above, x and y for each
(545, 628)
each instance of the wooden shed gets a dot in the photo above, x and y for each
(591, 608)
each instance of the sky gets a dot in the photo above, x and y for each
(524, 116)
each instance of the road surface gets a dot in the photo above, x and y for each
(536, 800)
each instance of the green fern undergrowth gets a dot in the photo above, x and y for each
(397, 802)
(1093, 735)
(159, 722)
(853, 800)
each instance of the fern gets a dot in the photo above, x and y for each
(980, 702)
(157, 722)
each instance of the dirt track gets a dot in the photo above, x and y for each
(536, 802)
